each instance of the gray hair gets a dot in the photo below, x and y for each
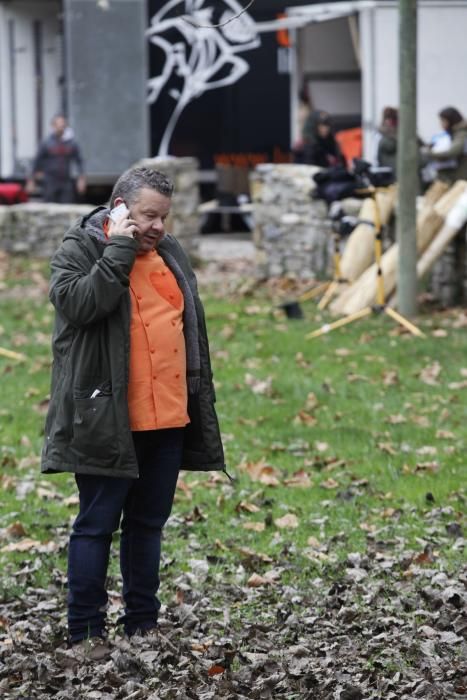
(133, 180)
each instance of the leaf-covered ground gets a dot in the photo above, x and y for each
(334, 565)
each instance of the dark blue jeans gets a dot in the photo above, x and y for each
(60, 191)
(145, 504)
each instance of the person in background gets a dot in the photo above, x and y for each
(452, 160)
(439, 142)
(319, 144)
(387, 145)
(55, 160)
(303, 112)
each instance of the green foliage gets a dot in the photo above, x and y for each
(373, 421)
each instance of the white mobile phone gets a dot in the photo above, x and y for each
(119, 212)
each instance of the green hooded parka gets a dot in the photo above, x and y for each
(89, 289)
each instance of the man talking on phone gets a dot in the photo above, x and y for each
(132, 398)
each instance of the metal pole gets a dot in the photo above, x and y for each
(407, 159)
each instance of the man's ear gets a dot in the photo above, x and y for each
(118, 200)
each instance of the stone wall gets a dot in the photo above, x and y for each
(292, 231)
(293, 234)
(37, 228)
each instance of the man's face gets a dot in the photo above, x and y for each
(324, 130)
(149, 211)
(59, 125)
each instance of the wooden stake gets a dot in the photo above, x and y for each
(362, 292)
(12, 355)
(358, 252)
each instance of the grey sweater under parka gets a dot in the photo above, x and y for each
(89, 289)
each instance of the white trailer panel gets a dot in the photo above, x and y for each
(442, 60)
(30, 78)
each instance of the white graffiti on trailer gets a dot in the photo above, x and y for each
(205, 58)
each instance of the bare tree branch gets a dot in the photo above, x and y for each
(222, 24)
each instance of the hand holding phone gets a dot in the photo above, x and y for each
(119, 212)
(120, 224)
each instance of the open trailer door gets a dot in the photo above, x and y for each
(31, 70)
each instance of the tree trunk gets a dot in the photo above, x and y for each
(407, 159)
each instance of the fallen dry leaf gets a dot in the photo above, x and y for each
(329, 484)
(352, 377)
(387, 447)
(425, 557)
(7, 482)
(216, 670)
(262, 387)
(445, 435)
(255, 526)
(184, 488)
(427, 467)
(227, 332)
(47, 494)
(71, 501)
(299, 479)
(253, 556)
(15, 530)
(390, 377)
(396, 419)
(256, 581)
(245, 507)
(251, 422)
(315, 555)
(254, 309)
(287, 522)
(390, 512)
(427, 450)
(262, 472)
(311, 402)
(321, 446)
(458, 385)
(421, 421)
(429, 374)
(301, 362)
(304, 418)
(24, 545)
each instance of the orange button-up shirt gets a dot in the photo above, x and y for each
(157, 389)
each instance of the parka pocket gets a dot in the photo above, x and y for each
(94, 427)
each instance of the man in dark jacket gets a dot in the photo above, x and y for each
(319, 143)
(132, 399)
(55, 160)
(387, 145)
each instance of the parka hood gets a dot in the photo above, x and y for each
(92, 224)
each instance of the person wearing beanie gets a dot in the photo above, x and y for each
(319, 143)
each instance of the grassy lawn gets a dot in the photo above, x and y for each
(357, 433)
(343, 445)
